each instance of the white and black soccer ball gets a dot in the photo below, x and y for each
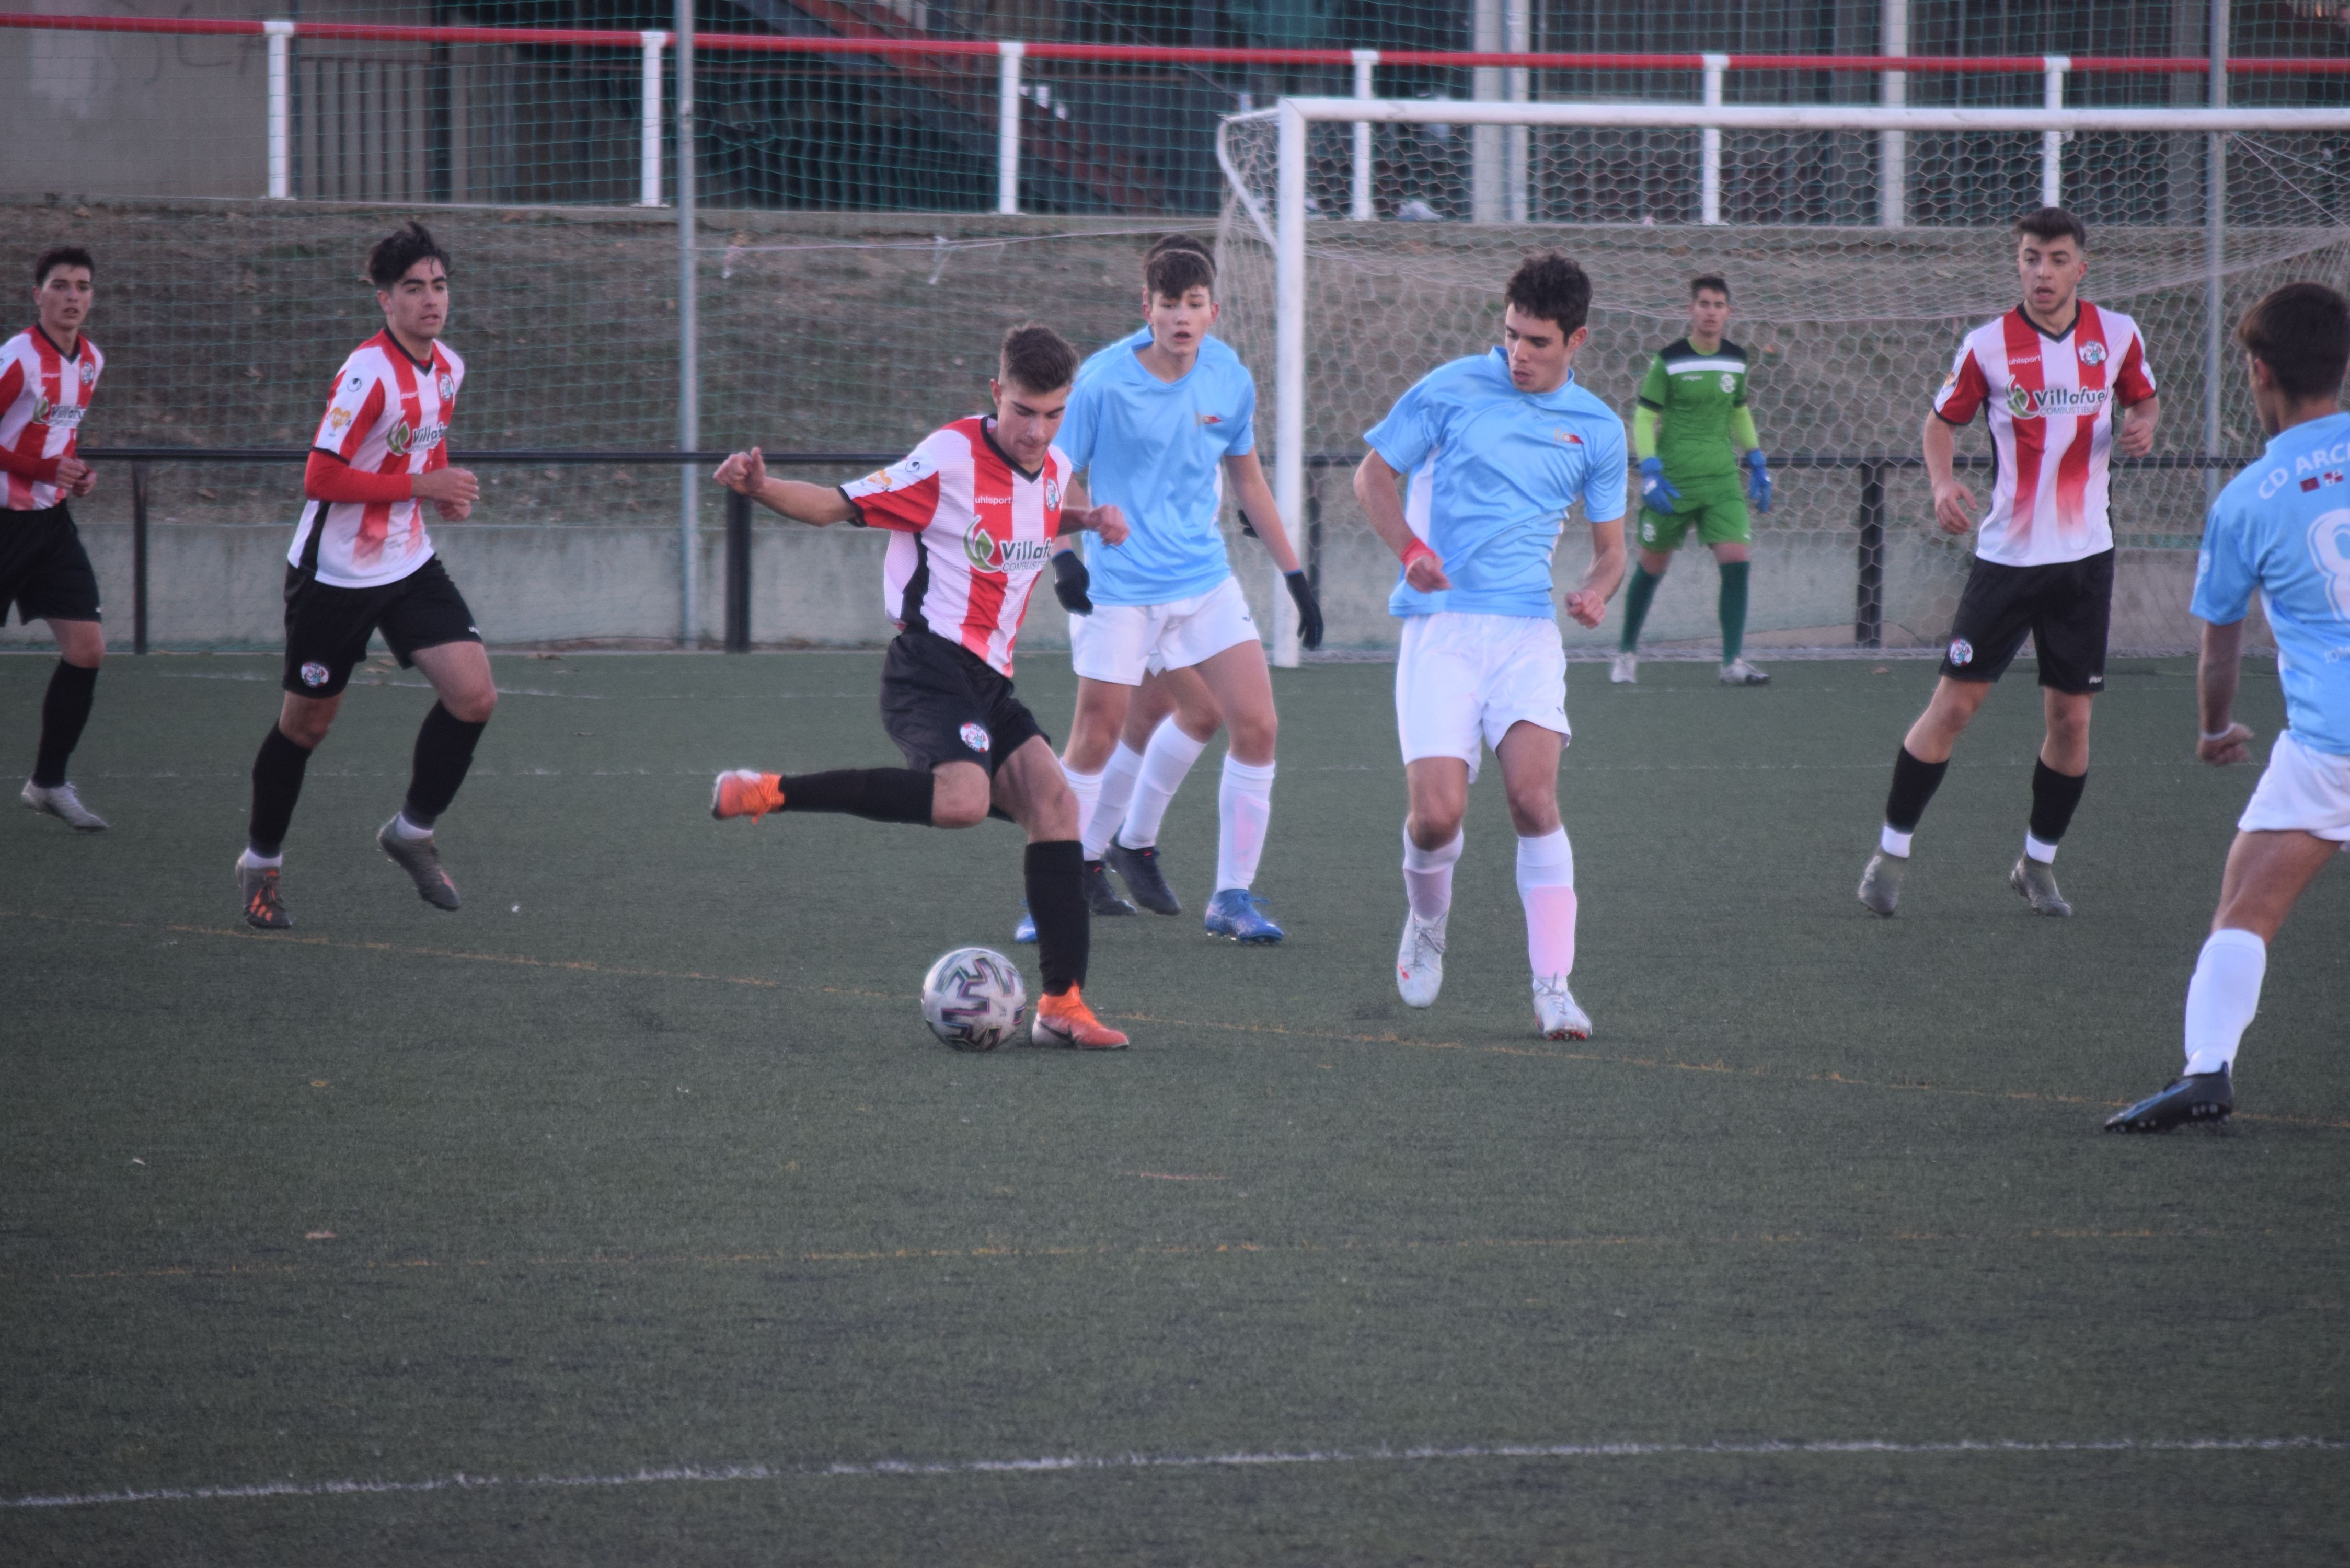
(973, 999)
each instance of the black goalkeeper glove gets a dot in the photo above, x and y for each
(1070, 581)
(1309, 609)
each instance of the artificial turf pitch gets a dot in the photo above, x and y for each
(641, 1167)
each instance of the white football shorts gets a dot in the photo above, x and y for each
(2302, 790)
(1463, 678)
(1119, 642)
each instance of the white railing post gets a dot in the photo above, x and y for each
(2215, 255)
(279, 32)
(649, 139)
(2052, 142)
(1289, 360)
(1893, 146)
(1518, 160)
(1360, 209)
(1007, 125)
(1709, 144)
(689, 347)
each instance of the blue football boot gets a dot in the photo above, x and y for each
(1025, 931)
(2209, 1098)
(1240, 914)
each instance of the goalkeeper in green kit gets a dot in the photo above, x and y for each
(1688, 434)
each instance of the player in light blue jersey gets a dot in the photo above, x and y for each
(1161, 422)
(1499, 449)
(2280, 527)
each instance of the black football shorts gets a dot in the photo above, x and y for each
(942, 703)
(2066, 609)
(328, 627)
(44, 570)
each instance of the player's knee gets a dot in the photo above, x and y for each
(952, 807)
(1433, 826)
(472, 707)
(1254, 737)
(1534, 809)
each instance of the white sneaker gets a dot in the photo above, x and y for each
(1625, 671)
(1738, 672)
(1556, 1013)
(1420, 960)
(60, 801)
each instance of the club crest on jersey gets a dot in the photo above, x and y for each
(986, 553)
(1729, 381)
(88, 374)
(1563, 437)
(2092, 353)
(447, 386)
(1962, 653)
(1051, 495)
(314, 674)
(975, 736)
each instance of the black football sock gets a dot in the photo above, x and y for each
(877, 794)
(1914, 783)
(2055, 796)
(276, 785)
(444, 749)
(1636, 606)
(63, 713)
(1057, 898)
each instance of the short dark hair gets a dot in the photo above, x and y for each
(57, 256)
(1037, 358)
(1176, 266)
(1553, 287)
(1712, 280)
(2302, 333)
(403, 249)
(2053, 223)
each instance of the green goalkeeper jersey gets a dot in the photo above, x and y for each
(1696, 397)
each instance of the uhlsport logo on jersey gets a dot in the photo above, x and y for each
(987, 553)
(1962, 652)
(2092, 353)
(2023, 403)
(975, 736)
(314, 674)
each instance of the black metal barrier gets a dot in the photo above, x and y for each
(1868, 591)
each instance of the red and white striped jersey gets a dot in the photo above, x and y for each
(971, 532)
(388, 414)
(2049, 402)
(44, 393)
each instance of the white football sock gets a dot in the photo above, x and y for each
(2043, 852)
(1546, 887)
(1165, 761)
(1893, 841)
(1086, 787)
(1109, 808)
(260, 862)
(2223, 996)
(403, 828)
(1243, 810)
(1428, 876)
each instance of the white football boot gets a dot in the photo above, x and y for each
(1624, 670)
(1556, 1013)
(1420, 960)
(60, 801)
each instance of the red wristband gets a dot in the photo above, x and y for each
(1414, 551)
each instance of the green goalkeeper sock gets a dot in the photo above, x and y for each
(1635, 606)
(1733, 609)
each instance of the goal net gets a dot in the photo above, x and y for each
(1856, 257)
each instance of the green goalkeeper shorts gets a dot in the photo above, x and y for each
(1716, 506)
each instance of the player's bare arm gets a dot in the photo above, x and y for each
(1954, 503)
(817, 506)
(2220, 740)
(1588, 603)
(2134, 430)
(1374, 489)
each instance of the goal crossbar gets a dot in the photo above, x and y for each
(1292, 116)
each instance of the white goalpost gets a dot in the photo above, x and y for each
(1342, 219)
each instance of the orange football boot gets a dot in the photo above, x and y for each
(747, 792)
(1065, 1019)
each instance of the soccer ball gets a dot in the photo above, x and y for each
(973, 998)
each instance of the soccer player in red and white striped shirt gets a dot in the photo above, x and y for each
(361, 561)
(972, 514)
(48, 373)
(2063, 383)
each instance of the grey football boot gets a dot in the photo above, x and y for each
(422, 860)
(61, 802)
(2037, 881)
(1880, 882)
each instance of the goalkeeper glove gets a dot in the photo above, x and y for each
(1309, 609)
(1758, 481)
(1657, 492)
(1070, 580)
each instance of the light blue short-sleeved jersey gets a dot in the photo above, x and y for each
(2283, 526)
(1156, 449)
(1493, 472)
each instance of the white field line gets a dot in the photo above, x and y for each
(463, 1481)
